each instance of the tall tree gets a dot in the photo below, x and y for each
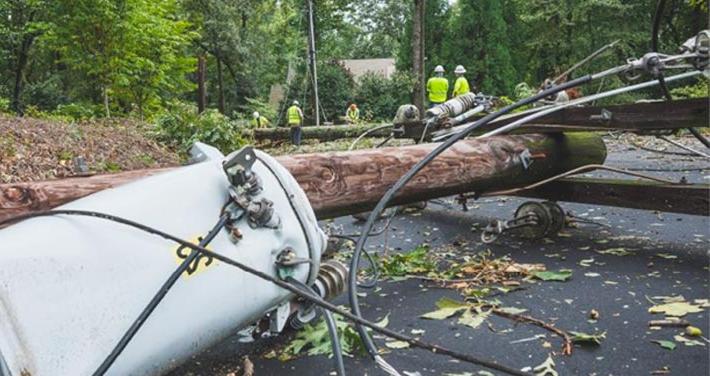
(21, 23)
(131, 48)
(478, 38)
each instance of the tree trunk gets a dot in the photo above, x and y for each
(343, 183)
(328, 133)
(418, 51)
(201, 87)
(220, 84)
(22, 60)
(107, 108)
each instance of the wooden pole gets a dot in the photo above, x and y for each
(342, 183)
(201, 85)
(418, 52)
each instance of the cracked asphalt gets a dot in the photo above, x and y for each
(618, 287)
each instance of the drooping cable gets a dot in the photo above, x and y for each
(415, 342)
(389, 195)
(157, 298)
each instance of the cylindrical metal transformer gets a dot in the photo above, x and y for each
(70, 287)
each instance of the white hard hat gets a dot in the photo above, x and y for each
(460, 69)
(256, 114)
(296, 103)
(439, 69)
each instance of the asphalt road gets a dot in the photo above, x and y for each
(616, 286)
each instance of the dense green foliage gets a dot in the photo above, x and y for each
(180, 126)
(90, 58)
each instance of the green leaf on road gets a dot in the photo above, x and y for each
(472, 320)
(561, 276)
(396, 345)
(616, 252)
(669, 345)
(512, 310)
(677, 309)
(594, 339)
(447, 308)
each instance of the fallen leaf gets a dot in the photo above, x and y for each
(592, 275)
(669, 345)
(677, 309)
(561, 276)
(616, 252)
(512, 310)
(384, 322)
(688, 341)
(472, 320)
(586, 262)
(594, 339)
(396, 345)
(524, 268)
(447, 308)
(667, 256)
(546, 368)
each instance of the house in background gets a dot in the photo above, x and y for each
(358, 67)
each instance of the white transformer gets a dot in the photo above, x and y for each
(71, 286)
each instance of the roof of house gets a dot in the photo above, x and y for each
(358, 67)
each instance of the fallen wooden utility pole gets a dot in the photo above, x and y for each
(324, 133)
(342, 183)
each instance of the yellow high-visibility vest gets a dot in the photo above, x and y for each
(438, 89)
(353, 115)
(261, 122)
(461, 86)
(294, 116)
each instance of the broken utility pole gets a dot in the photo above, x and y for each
(342, 183)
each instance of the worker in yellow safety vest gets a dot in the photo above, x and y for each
(295, 121)
(437, 87)
(259, 121)
(461, 85)
(352, 115)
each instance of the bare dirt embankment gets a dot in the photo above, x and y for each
(35, 149)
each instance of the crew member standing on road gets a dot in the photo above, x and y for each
(437, 87)
(259, 121)
(295, 121)
(461, 85)
(352, 115)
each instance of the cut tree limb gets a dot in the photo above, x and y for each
(342, 183)
(324, 133)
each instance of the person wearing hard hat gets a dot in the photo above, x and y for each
(437, 87)
(461, 85)
(352, 115)
(259, 121)
(295, 121)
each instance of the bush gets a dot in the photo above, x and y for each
(335, 85)
(378, 97)
(699, 90)
(180, 126)
(79, 111)
(4, 105)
